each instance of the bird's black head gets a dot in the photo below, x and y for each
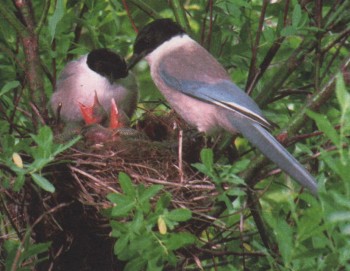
(108, 64)
(153, 35)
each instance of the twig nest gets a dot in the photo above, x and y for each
(146, 156)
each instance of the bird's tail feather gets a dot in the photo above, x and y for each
(273, 150)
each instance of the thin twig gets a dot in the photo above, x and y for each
(318, 54)
(129, 16)
(252, 68)
(102, 184)
(180, 14)
(77, 32)
(255, 210)
(146, 8)
(210, 24)
(181, 173)
(43, 16)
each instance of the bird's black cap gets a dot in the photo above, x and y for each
(153, 35)
(107, 63)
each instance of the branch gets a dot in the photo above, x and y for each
(318, 55)
(77, 31)
(339, 13)
(180, 14)
(255, 209)
(146, 8)
(210, 24)
(252, 68)
(276, 82)
(269, 55)
(12, 20)
(29, 40)
(43, 17)
(129, 16)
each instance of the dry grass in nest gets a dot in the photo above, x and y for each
(71, 218)
(95, 168)
(83, 175)
(95, 173)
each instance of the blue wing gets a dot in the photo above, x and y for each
(224, 94)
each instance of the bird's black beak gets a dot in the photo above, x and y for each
(134, 60)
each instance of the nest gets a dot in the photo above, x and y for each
(83, 175)
(160, 160)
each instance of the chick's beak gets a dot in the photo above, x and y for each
(87, 113)
(92, 114)
(114, 116)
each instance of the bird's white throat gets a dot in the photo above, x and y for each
(168, 46)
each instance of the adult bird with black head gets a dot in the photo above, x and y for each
(200, 90)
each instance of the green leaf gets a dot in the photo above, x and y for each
(344, 100)
(8, 86)
(137, 222)
(113, 197)
(325, 126)
(135, 264)
(285, 240)
(179, 215)
(235, 192)
(163, 202)
(154, 264)
(126, 184)
(62, 147)
(310, 224)
(56, 18)
(179, 240)
(123, 208)
(342, 95)
(118, 229)
(337, 166)
(121, 244)
(10, 246)
(202, 168)
(44, 138)
(207, 158)
(269, 34)
(42, 182)
(150, 192)
(288, 31)
(296, 15)
(35, 249)
(19, 182)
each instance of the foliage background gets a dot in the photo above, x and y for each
(291, 56)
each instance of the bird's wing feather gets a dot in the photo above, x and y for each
(223, 93)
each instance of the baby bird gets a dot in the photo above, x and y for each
(102, 73)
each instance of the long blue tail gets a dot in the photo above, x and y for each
(273, 150)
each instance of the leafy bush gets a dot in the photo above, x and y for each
(137, 240)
